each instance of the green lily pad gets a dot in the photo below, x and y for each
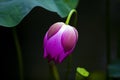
(13, 11)
(83, 72)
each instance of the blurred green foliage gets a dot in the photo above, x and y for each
(13, 11)
(81, 73)
(97, 75)
(114, 69)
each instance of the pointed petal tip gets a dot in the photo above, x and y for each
(54, 29)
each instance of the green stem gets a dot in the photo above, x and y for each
(69, 65)
(73, 11)
(70, 15)
(19, 54)
(54, 71)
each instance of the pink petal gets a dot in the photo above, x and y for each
(45, 41)
(54, 29)
(53, 46)
(76, 32)
(68, 38)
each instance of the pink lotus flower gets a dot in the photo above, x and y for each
(59, 42)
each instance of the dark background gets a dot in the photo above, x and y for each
(90, 51)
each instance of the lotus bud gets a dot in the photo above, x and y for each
(59, 42)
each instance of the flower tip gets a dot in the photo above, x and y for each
(54, 29)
